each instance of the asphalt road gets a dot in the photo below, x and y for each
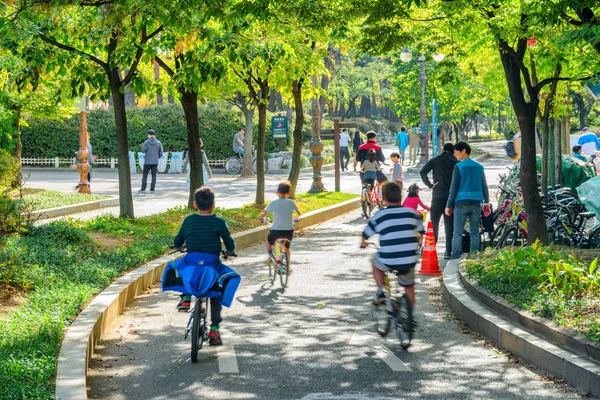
(313, 341)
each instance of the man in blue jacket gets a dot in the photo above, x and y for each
(402, 142)
(153, 151)
(467, 193)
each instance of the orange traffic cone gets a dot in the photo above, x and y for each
(429, 262)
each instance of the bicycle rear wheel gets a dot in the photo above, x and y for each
(509, 238)
(366, 207)
(233, 165)
(254, 165)
(404, 321)
(284, 269)
(198, 329)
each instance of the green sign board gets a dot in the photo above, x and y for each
(279, 126)
(417, 130)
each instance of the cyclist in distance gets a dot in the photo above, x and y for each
(238, 142)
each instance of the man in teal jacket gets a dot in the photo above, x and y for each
(467, 193)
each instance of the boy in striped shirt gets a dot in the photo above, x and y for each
(400, 231)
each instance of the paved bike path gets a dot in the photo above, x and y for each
(313, 341)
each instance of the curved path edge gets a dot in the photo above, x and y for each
(75, 208)
(579, 371)
(84, 333)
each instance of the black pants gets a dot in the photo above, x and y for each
(148, 168)
(215, 312)
(344, 153)
(438, 206)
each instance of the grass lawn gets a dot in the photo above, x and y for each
(40, 199)
(55, 269)
(559, 284)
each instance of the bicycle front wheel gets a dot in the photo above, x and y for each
(380, 198)
(272, 270)
(233, 165)
(404, 321)
(284, 269)
(198, 327)
(509, 238)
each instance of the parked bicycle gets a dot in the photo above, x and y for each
(233, 165)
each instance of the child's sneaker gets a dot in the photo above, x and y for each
(184, 303)
(214, 337)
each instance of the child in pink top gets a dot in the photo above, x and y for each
(413, 200)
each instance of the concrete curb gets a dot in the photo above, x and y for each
(576, 370)
(82, 336)
(565, 337)
(75, 208)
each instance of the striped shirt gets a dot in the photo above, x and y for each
(203, 234)
(397, 228)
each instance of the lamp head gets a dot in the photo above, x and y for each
(405, 55)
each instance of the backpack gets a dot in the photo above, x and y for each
(510, 149)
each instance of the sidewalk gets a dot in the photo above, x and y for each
(312, 341)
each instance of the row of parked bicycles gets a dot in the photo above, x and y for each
(568, 221)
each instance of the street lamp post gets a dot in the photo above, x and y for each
(406, 56)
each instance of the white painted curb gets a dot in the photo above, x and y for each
(75, 208)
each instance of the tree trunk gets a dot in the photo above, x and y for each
(260, 154)
(365, 107)
(159, 96)
(558, 151)
(526, 113)
(247, 169)
(297, 134)
(125, 197)
(189, 102)
(18, 181)
(565, 133)
(545, 153)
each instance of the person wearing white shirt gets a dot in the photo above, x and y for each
(344, 151)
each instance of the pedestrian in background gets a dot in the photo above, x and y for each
(467, 193)
(442, 167)
(153, 151)
(413, 147)
(206, 171)
(344, 150)
(356, 143)
(402, 143)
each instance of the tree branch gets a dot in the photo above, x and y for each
(74, 50)
(164, 66)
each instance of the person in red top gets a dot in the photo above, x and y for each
(363, 149)
(413, 200)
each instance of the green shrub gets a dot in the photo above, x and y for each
(549, 283)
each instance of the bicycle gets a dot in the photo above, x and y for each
(233, 165)
(278, 260)
(396, 309)
(197, 324)
(369, 199)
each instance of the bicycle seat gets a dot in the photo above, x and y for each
(587, 214)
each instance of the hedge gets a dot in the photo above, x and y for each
(218, 124)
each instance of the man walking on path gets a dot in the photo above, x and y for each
(153, 151)
(402, 143)
(344, 151)
(442, 166)
(413, 147)
(467, 192)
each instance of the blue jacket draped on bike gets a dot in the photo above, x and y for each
(202, 275)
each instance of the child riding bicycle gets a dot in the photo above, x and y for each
(283, 225)
(369, 169)
(400, 230)
(202, 233)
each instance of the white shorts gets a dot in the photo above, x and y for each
(405, 277)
